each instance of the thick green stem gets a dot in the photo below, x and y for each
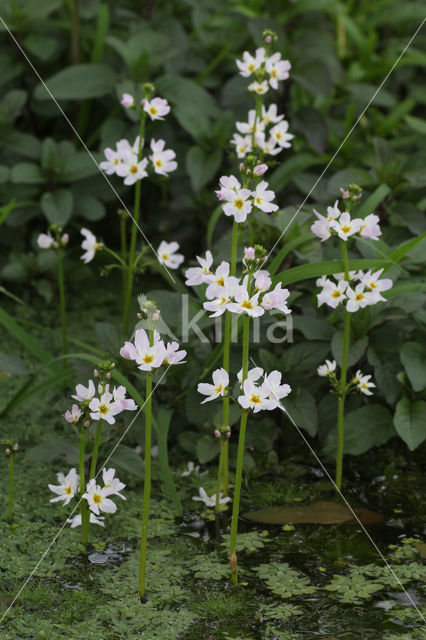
(75, 32)
(219, 476)
(240, 458)
(11, 487)
(135, 225)
(95, 453)
(62, 303)
(123, 245)
(146, 488)
(342, 382)
(84, 511)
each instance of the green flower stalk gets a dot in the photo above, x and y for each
(147, 482)
(10, 451)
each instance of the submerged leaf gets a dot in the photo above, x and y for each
(322, 512)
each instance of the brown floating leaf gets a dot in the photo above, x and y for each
(421, 548)
(322, 512)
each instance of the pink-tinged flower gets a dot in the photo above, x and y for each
(110, 482)
(280, 134)
(345, 226)
(246, 304)
(113, 159)
(45, 240)
(227, 183)
(238, 203)
(250, 63)
(276, 299)
(363, 383)
(105, 408)
(217, 389)
(269, 147)
(172, 355)
(358, 298)
(127, 101)
(84, 394)
(256, 398)
(262, 198)
(67, 488)
(242, 145)
(156, 108)
(332, 294)
(119, 395)
(270, 115)
(259, 170)
(167, 255)
(90, 246)
(131, 169)
(202, 274)
(370, 227)
(162, 159)
(146, 356)
(278, 69)
(74, 415)
(274, 389)
(376, 286)
(262, 281)
(64, 239)
(249, 254)
(97, 498)
(259, 87)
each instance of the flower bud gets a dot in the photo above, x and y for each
(64, 240)
(228, 434)
(268, 39)
(260, 169)
(87, 424)
(249, 253)
(96, 373)
(108, 375)
(8, 451)
(127, 101)
(15, 446)
(217, 433)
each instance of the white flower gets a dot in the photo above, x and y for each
(238, 203)
(113, 159)
(256, 398)
(45, 241)
(251, 63)
(84, 394)
(156, 108)
(332, 293)
(274, 389)
(276, 299)
(127, 101)
(90, 246)
(124, 147)
(167, 255)
(162, 159)
(67, 488)
(252, 375)
(262, 281)
(97, 498)
(358, 298)
(259, 170)
(201, 274)
(131, 169)
(363, 383)
(262, 198)
(119, 395)
(252, 125)
(76, 520)
(321, 227)
(218, 388)
(110, 482)
(146, 356)
(191, 468)
(376, 286)
(370, 227)
(227, 183)
(269, 147)
(280, 134)
(327, 369)
(74, 415)
(270, 114)
(278, 69)
(242, 145)
(259, 87)
(210, 501)
(172, 355)
(345, 227)
(105, 408)
(246, 304)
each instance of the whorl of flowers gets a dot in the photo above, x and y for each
(360, 382)
(363, 289)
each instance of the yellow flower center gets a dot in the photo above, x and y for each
(133, 169)
(220, 282)
(148, 359)
(165, 256)
(103, 409)
(247, 304)
(251, 67)
(336, 294)
(116, 161)
(158, 163)
(238, 204)
(259, 200)
(345, 229)
(364, 386)
(359, 296)
(255, 399)
(372, 285)
(97, 498)
(273, 73)
(278, 136)
(222, 301)
(68, 490)
(153, 110)
(218, 388)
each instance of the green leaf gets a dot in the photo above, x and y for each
(299, 162)
(48, 450)
(302, 409)
(78, 82)
(108, 337)
(417, 124)
(346, 177)
(201, 166)
(23, 337)
(356, 350)
(214, 218)
(400, 252)
(11, 105)
(373, 201)
(26, 173)
(329, 267)
(311, 124)
(126, 458)
(364, 428)
(413, 358)
(410, 422)
(303, 356)
(11, 365)
(322, 512)
(89, 208)
(164, 417)
(289, 246)
(57, 206)
(207, 448)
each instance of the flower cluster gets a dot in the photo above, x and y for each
(266, 70)
(256, 396)
(47, 241)
(267, 132)
(340, 223)
(368, 291)
(89, 407)
(360, 381)
(239, 201)
(97, 496)
(152, 356)
(126, 160)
